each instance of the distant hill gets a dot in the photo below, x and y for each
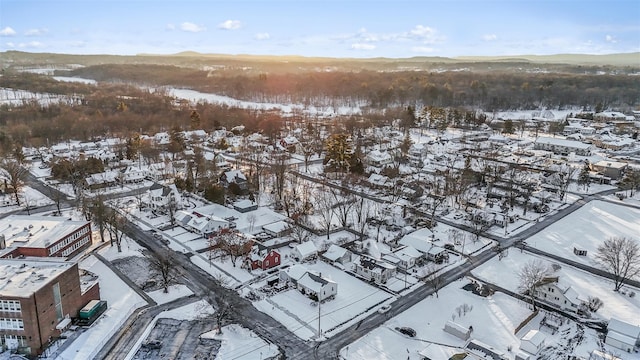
(567, 63)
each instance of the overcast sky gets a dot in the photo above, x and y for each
(348, 28)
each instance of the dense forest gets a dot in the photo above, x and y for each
(490, 91)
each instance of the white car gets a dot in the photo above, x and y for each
(384, 308)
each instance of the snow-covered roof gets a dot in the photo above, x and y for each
(334, 252)
(23, 277)
(295, 272)
(534, 337)
(232, 174)
(306, 249)
(562, 142)
(277, 227)
(611, 164)
(314, 282)
(624, 328)
(35, 231)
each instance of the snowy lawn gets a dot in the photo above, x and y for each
(129, 248)
(298, 314)
(175, 292)
(121, 302)
(505, 274)
(587, 228)
(241, 343)
(494, 320)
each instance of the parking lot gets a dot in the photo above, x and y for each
(179, 340)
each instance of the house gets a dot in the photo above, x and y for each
(609, 116)
(38, 298)
(102, 180)
(404, 257)
(374, 270)
(278, 229)
(562, 147)
(317, 287)
(436, 352)
(622, 335)
(43, 236)
(437, 254)
(262, 258)
(553, 292)
(378, 158)
(532, 342)
(336, 254)
(305, 251)
(292, 274)
(244, 206)
(612, 169)
(599, 355)
(417, 153)
(161, 196)
(234, 177)
(204, 225)
(421, 240)
(132, 175)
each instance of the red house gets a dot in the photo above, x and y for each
(262, 258)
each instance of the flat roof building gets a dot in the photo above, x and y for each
(43, 236)
(38, 298)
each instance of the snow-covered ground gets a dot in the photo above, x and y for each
(504, 273)
(587, 228)
(241, 343)
(300, 314)
(195, 96)
(175, 292)
(28, 197)
(494, 320)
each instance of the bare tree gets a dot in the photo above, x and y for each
(164, 265)
(234, 245)
(15, 172)
(531, 275)
(299, 234)
(433, 279)
(115, 224)
(621, 257)
(324, 208)
(224, 307)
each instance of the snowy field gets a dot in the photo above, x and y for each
(587, 228)
(298, 314)
(616, 304)
(494, 320)
(241, 344)
(28, 197)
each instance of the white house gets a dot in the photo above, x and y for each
(304, 251)
(317, 287)
(160, 196)
(337, 254)
(204, 225)
(404, 257)
(554, 292)
(622, 335)
(373, 270)
(532, 342)
(378, 158)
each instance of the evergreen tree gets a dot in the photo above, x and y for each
(338, 152)
(583, 177)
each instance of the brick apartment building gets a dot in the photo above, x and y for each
(43, 236)
(38, 298)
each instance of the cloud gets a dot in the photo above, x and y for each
(170, 27)
(7, 32)
(191, 27)
(31, 44)
(35, 32)
(362, 46)
(424, 34)
(610, 39)
(489, 37)
(10, 44)
(422, 49)
(230, 25)
(262, 36)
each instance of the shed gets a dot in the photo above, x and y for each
(337, 254)
(532, 342)
(457, 330)
(622, 335)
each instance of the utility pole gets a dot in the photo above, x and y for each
(319, 305)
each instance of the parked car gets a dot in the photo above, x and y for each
(406, 331)
(384, 308)
(152, 344)
(449, 247)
